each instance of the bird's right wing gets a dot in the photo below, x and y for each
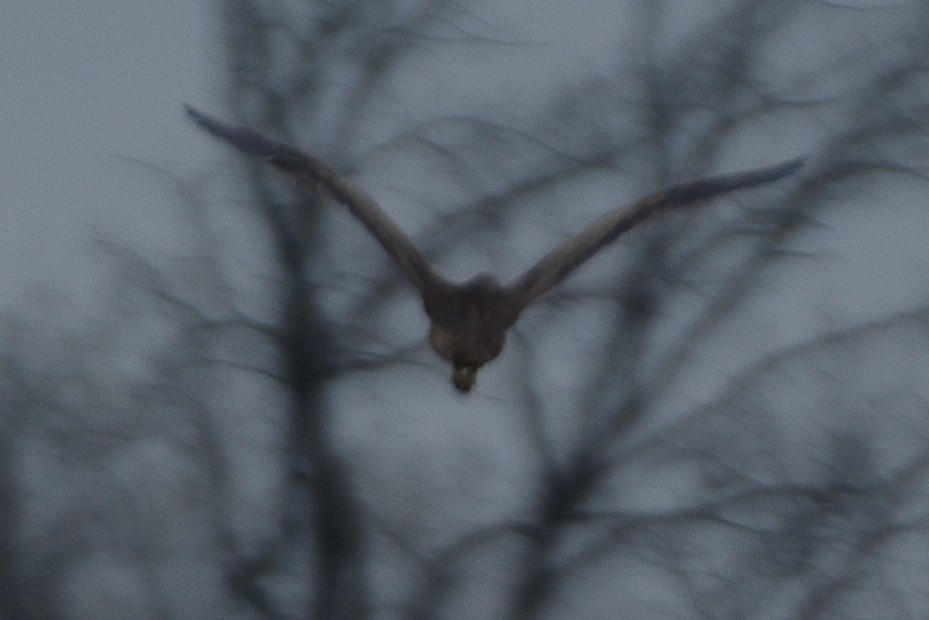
(564, 259)
(311, 173)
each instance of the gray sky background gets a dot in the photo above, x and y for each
(84, 85)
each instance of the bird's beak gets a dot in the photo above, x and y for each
(464, 378)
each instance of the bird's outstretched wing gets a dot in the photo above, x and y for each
(311, 173)
(564, 259)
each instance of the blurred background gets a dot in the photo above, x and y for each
(217, 396)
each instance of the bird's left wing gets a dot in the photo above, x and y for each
(564, 259)
(311, 173)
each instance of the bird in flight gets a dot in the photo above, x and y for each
(470, 319)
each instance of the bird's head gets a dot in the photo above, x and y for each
(467, 351)
(464, 377)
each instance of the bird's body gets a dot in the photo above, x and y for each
(470, 320)
(469, 325)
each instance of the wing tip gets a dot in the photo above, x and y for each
(205, 121)
(789, 167)
(775, 172)
(708, 188)
(246, 140)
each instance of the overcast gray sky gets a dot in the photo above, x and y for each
(85, 85)
(80, 83)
